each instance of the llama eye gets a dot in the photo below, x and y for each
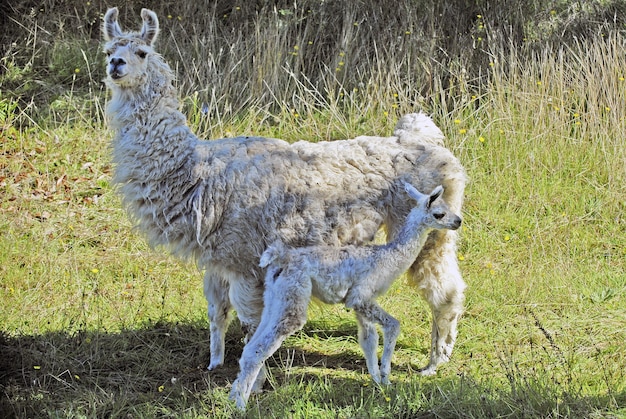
(142, 54)
(438, 216)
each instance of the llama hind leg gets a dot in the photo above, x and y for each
(262, 345)
(219, 311)
(367, 314)
(368, 339)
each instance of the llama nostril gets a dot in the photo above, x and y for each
(117, 61)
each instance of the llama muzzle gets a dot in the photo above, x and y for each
(115, 68)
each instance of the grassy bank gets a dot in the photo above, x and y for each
(96, 324)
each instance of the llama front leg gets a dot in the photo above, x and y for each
(368, 314)
(438, 278)
(246, 296)
(285, 312)
(443, 336)
(257, 350)
(219, 310)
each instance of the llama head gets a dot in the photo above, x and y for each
(434, 211)
(128, 53)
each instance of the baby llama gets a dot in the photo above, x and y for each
(222, 202)
(352, 275)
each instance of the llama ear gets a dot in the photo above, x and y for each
(413, 193)
(150, 28)
(270, 254)
(111, 27)
(436, 193)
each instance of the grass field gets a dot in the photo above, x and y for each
(96, 324)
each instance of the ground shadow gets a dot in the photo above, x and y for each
(106, 374)
(42, 372)
(39, 373)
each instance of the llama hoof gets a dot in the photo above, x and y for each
(237, 397)
(429, 370)
(240, 404)
(214, 365)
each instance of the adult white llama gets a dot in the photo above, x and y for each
(222, 202)
(352, 275)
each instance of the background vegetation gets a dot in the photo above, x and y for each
(531, 96)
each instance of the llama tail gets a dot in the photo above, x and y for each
(418, 127)
(274, 251)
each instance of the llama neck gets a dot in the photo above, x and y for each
(409, 241)
(152, 137)
(139, 105)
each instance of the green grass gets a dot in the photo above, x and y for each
(96, 324)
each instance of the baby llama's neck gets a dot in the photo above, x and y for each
(409, 241)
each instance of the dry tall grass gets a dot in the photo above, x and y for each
(232, 57)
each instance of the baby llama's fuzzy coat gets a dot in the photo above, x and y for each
(352, 275)
(222, 202)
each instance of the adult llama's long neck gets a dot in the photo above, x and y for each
(152, 139)
(154, 94)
